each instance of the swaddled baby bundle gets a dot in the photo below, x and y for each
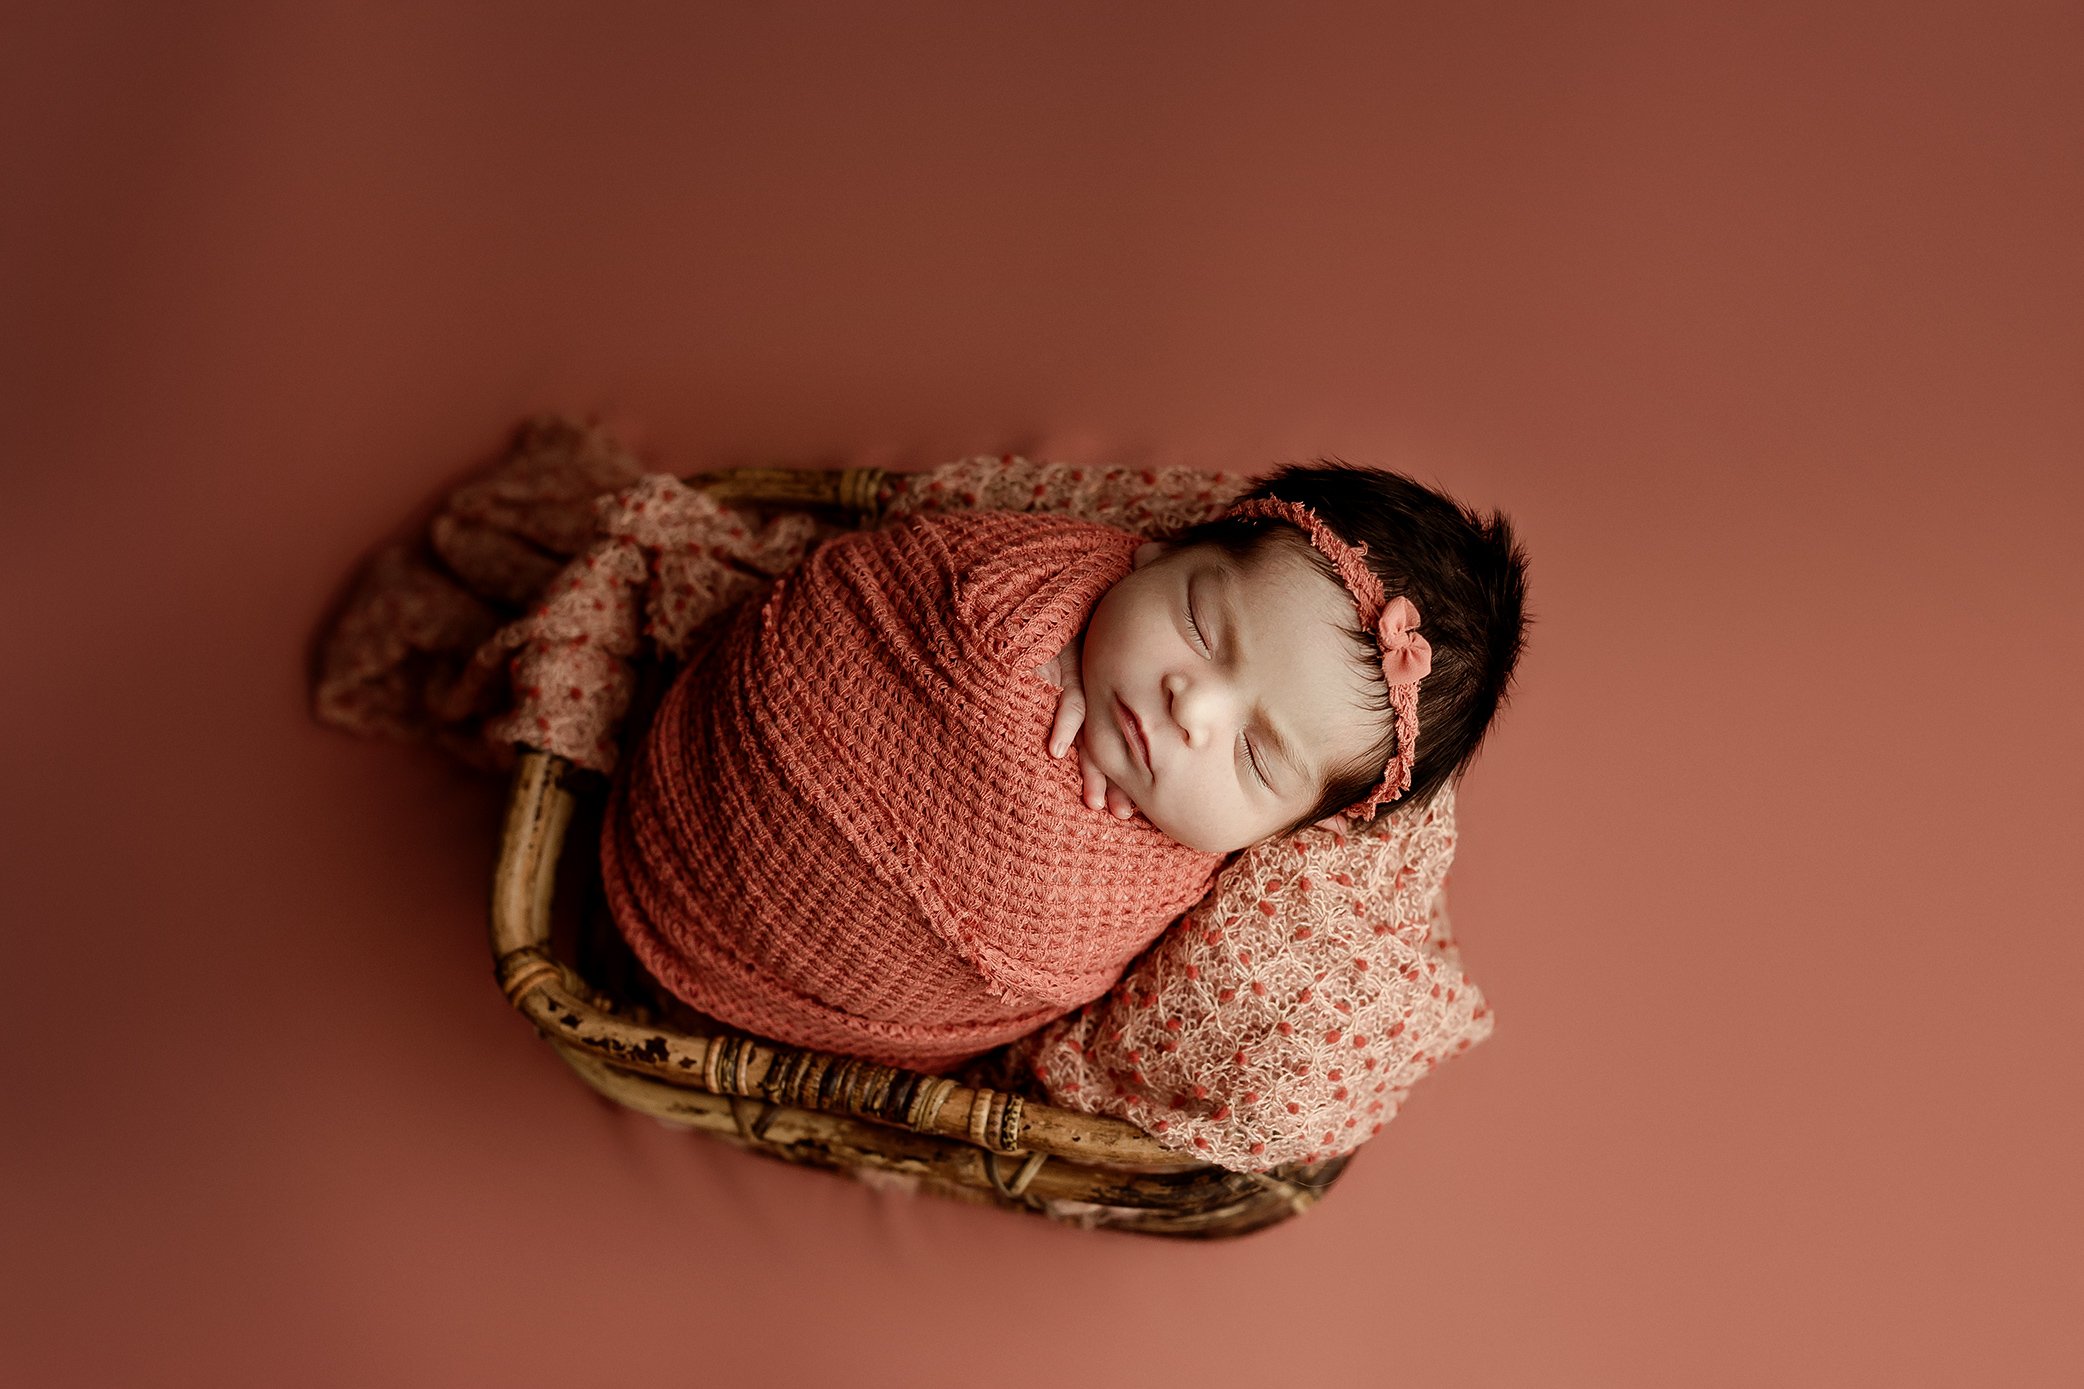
(842, 829)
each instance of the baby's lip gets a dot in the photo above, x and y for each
(1132, 734)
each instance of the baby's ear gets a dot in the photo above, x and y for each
(1337, 823)
(1145, 553)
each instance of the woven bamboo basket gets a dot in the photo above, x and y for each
(975, 1138)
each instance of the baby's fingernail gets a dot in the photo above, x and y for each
(1123, 813)
(1056, 749)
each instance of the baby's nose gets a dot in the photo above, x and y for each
(1189, 708)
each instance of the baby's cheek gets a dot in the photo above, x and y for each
(1187, 823)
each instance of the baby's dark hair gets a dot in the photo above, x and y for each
(1466, 573)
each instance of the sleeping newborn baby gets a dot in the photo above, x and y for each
(855, 824)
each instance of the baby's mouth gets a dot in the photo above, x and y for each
(1132, 734)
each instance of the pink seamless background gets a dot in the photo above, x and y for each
(1762, 320)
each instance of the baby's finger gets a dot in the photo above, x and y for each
(1070, 717)
(1118, 801)
(1095, 794)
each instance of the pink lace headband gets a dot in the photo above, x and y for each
(1407, 657)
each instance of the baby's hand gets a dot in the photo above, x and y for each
(1065, 670)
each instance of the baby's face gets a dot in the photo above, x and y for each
(1241, 724)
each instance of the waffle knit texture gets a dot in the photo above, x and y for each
(843, 830)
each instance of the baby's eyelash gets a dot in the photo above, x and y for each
(1195, 627)
(1252, 756)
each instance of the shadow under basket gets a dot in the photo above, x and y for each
(887, 1126)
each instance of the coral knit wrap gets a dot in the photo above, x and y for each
(842, 829)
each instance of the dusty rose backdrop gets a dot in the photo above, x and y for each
(1763, 320)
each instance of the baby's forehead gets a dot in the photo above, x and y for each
(1256, 550)
(1277, 562)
